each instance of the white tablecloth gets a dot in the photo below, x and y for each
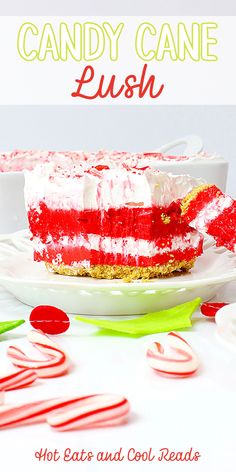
(179, 414)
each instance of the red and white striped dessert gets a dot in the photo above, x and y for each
(110, 220)
(210, 211)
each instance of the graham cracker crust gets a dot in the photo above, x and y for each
(191, 196)
(126, 273)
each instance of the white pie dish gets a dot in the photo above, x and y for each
(30, 283)
(12, 207)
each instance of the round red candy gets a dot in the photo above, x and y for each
(210, 309)
(49, 319)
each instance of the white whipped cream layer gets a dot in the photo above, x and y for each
(127, 246)
(81, 187)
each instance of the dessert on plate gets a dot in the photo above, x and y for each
(109, 217)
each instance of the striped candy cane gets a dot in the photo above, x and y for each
(19, 379)
(176, 359)
(56, 363)
(65, 414)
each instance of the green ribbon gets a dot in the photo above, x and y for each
(8, 325)
(178, 317)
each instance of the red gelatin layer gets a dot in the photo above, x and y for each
(142, 223)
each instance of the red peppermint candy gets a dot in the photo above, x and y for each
(49, 319)
(210, 309)
(101, 167)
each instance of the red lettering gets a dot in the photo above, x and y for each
(129, 93)
(180, 456)
(164, 453)
(137, 456)
(110, 89)
(88, 70)
(48, 456)
(149, 85)
(117, 456)
(113, 90)
(77, 456)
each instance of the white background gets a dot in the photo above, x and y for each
(51, 82)
(123, 7)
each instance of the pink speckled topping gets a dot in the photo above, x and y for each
(18, 160)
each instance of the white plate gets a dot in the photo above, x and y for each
(30, 283)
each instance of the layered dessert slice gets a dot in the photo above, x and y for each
(109, 220)
(210, 211)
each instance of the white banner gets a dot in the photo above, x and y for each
(117, 60)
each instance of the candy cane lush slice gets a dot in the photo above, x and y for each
(56, 363)
(177, 358)
(19, 379)
(93, 411)
(64, 414)
(208, 210)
